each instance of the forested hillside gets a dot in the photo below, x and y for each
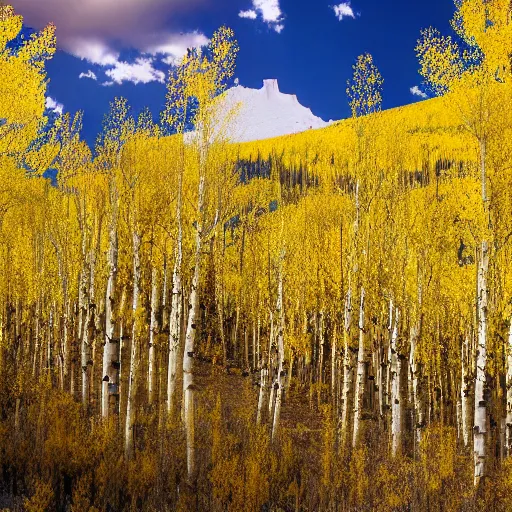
(320, 321)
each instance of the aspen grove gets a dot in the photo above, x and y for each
(320, 321)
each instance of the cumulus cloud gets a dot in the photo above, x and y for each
(91, 50)
(174, 46)
(96, 30)
(343, 10)
(269, 11)
(416, 91)
(249, 14)
(89, 74)
(54, 105)
(141, 71)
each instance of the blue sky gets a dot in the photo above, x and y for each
(308, 45)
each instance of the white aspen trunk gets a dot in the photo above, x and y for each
(414, 380)
(280, 347)
(380, 381)
(165, 312)
(175, 317)
(480, 428)
(90, 326)
(347, 367)
(480, 421)
(254, 341)
(359, 391)
(263, 391)
(66, 352)
(50, 342)
(238, 359)
(508, 431)
(84, 335)
(174, 329)
(132, 379)
(465, 392)
(188, 354)
(120, 378)
(153, 327)
(111, 355)
(36, 338)
(387, 397)
(396, 406)
(271, 370)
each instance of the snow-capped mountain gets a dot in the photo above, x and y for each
(265, 113)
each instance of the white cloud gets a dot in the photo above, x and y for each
(174, 47)
(416, 91)
(270, 13)
(91, 50)
(89, 74)
(54, 105)
(97, 30)
(343, 10)
(141, 71)
(269, 10)
(249, 14)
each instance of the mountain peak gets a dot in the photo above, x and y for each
(266, 113)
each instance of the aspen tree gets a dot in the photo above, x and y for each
(206, 77)
(176, 116)
(473, 79)
(279, 383)
(117, 129)
(364, 91)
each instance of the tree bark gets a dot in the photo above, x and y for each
(132, 379)
(175, 317)
(360, 380)
(347, 367)
(280, 347)
(480, 421)
(396, 406)
(111, 353)
(153, 328)
(188, 354)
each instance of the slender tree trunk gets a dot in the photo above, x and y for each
(508, 432)
(271, 369)
(84, 335)
(415, 378)
(396, 406)
(347, 368)
(153, 328)
(134, 356)
(360, 380)
(176, 307)
(465, 391)
(121, 375)
(280, 347)
(111, 355)
(188, 354)
(480, 428)
(263, 391)
(174, 331)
